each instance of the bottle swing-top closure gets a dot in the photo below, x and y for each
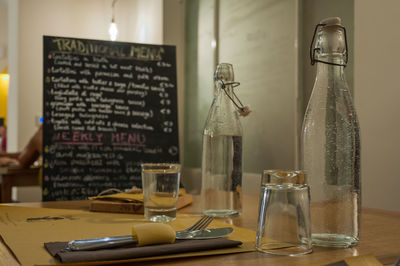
(243, 110)
(330, 22)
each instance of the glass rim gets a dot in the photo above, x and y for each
(160, 166)
(284, 170)
(279, 176)
(292, 250)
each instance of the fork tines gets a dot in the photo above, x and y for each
(201, 224)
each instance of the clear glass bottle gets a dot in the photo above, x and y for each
(221, 192)
(330, 143)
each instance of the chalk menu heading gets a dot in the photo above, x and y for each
(108, 107)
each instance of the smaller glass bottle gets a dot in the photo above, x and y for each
(221, 192)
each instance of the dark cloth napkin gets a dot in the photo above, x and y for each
(180, 246)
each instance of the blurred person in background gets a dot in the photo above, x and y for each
(3, 136)
(25, 158)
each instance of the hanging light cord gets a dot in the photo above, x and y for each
(112, 7)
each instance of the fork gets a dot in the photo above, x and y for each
(117, 241)
(201, 224)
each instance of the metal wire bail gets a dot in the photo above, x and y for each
(243, 110)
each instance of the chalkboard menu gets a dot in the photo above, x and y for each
(108, 107)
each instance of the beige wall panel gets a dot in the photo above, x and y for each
(377, 94)
(174, 34)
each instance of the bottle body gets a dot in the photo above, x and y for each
(330, 154)
(222, 175)
(221, 193)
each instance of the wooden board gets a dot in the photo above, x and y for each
(128, 207)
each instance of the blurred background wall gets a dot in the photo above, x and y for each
(138, 21)
(267, 41)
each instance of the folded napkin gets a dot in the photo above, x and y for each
(133, 196)
(180, 246)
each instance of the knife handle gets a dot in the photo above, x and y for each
(99, 243)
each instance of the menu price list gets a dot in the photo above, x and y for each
(108, 107)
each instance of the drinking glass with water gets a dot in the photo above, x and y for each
(160, 183)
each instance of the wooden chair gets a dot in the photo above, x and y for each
(16, 176)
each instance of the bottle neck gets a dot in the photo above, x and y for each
(223, 93)
(223, 117)
(330, 72)
(330, 80)
(223, 98)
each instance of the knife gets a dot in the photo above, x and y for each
(119, 241)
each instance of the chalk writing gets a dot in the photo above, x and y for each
(108, 107)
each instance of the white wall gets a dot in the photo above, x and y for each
(138, 21)
(3, 34)
(12, 53)
(377, 96)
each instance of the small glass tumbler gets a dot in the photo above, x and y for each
(160, 183)
(284, 226)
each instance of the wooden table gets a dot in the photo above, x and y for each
(16, 176)
(380, 236)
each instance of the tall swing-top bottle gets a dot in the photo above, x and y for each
(330, 143)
